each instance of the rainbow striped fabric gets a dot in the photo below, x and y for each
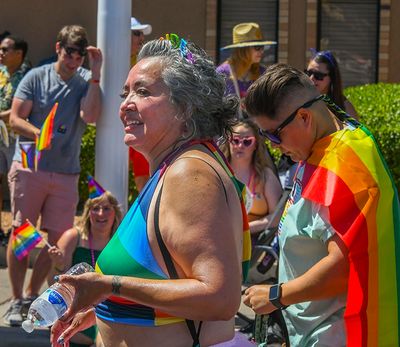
(43, 141)
(25, 238)
(95, 189)
(347, 173)
(27, 154)
(135, 257)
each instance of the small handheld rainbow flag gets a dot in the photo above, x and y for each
(95, 189)
(25, 238)
(27, 154)
(43, 141)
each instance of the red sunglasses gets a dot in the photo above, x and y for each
(247, 141)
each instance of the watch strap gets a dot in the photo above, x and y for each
(276, 300)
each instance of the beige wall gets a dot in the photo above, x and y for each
(187, 18)
(38, 21)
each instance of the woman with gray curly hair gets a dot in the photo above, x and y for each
(172, 273)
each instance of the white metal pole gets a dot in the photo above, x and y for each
(113, 38)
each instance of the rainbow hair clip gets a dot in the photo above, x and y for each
(181, 44)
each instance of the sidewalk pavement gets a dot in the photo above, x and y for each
(17, 337)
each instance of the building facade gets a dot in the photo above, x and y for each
(361, 33)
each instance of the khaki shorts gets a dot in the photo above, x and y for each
(51, 195)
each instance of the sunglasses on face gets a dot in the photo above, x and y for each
(274, 136)
(318, 75)
(258, 48)
(247, 141)
(137, 33)
(71, 50)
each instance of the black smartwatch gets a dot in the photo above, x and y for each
(275, 293)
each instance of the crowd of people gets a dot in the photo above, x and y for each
(170, 272)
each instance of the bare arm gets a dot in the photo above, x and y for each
(272, 193)
(5, 115)
(327, 278)
(61, 254)
(202, 231)
(91, 103)
(20, 111)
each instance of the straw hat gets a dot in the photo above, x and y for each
(247, 35)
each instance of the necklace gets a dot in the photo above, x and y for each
(91, 250)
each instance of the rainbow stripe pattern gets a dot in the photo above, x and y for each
(27, 154)
(43, 141)
(347, 173)
(95, 189)
(25, 238)
(135, 257)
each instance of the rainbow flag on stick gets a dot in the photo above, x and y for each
(347, 173)
(25, 238)
(43, 141)
(27, 154)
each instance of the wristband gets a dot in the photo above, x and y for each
(95, 81)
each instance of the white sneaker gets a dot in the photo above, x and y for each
(13, 316)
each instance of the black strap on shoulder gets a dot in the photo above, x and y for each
(171, 267)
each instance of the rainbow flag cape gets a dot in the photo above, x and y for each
(95, 189)
(27, 154)
(25, 238)
(43, 141)
(347, 173)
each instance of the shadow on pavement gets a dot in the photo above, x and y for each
(16, 337)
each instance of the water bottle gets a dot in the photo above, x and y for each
(54, 302)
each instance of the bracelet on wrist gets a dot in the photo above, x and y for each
(94, 81)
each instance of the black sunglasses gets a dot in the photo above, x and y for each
(274, 136)
(258, 48)
(137, 33)
(318, 75)
(70, 50)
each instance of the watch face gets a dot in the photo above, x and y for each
(274, 292)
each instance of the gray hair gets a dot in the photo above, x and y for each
(196, 88)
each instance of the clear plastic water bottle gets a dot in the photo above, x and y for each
(54, 302)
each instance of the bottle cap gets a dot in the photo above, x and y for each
(28, 326)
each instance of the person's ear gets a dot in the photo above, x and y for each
(58, 47)
(305, 116)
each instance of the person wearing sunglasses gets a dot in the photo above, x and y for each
(244, 66)
(338, 232)
(51, 191)
(323, 70)
(250, 160)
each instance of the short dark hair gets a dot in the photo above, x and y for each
(73, 35)
(4, 34)
(19, 44)
(268, 93)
